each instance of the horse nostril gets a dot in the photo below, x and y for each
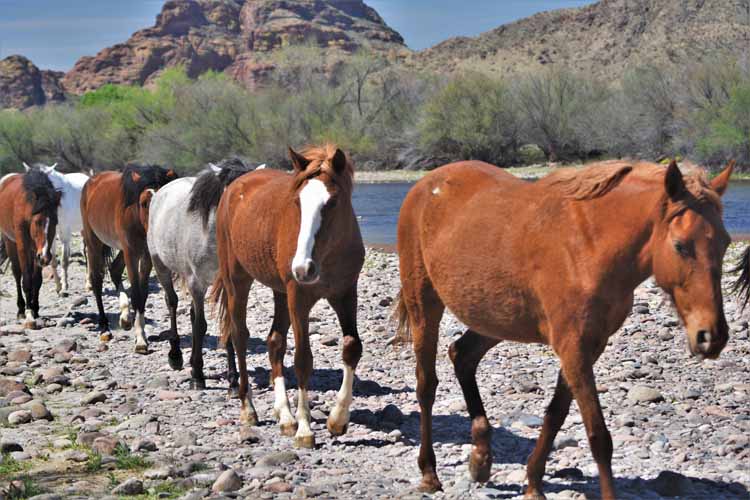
(704, 337)
(312, 270)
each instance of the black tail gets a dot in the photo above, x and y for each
(3, 256)
(211, 184)
(741, 287)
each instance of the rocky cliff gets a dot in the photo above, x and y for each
(235, 36)
(603, 39)
(22, 84)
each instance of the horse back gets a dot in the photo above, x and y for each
(102, 207)
(11, 195)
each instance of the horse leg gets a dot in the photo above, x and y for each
(95, 264)
(276, 343)
(12, 252)
(86, 262)
(144, 271)
(299, 310)
(346, 311)
(198, 323)
(557, 412)
(233, 376)
(237, 311)
(27, 281)
(53, 265)
(425, 309)
(65, 264)
(164, 276)
(136, 291)
(36, 286)
(466, 353)
(577, 363)
(115, 274)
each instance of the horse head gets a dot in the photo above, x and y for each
(688, 249)
(323, 190)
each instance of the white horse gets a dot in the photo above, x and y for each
(69, 219)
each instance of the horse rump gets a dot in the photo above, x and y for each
(741, 286)
(211, 183)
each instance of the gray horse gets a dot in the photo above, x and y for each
(182, 242)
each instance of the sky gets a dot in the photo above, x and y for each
(55, 33)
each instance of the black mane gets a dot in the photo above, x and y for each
(150, 177)
(40, 193)
(209, 186)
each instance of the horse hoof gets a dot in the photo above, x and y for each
(289, 430)
(336, 429)
(64, 293)
(480, 466)
(233, 392)
(105, 337)
(534, 495)
(126, 324)
(307, 442)
(249, 420)
(175, 362)
(430, 485)
(141, 349)
(198, 384)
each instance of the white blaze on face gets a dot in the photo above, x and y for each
(313, 198)
(46, 238)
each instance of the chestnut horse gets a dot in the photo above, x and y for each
(553, 262)
(296, 234)
(114, 209)
(28, 221)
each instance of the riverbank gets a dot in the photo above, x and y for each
(386, 176)
(116, 419)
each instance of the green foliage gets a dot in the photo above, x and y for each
(94, 463)
(729, 131)
(27, 489)
(9, 465)
(472, 117)
(125, 460)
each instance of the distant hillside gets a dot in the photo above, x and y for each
(602, 39)
(22, 84)
(235, 36)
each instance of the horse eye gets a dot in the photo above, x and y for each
(682, 249)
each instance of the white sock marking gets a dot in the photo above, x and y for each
(281, 402)
(340, 412)
(303, 415)
(313, 198)
(140, 328)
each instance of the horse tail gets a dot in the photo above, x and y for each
(400, 313)
(741, 287)
(211, 183)
(3, 255)
(219, 299)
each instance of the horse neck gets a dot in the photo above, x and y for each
(630, 232)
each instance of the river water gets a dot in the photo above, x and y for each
(378, 205)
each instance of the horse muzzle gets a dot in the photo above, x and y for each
(306, 272)
(708, 343)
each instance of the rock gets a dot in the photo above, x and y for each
(570, 473)
(105, 445)
(516, 477)
(63, 357)
(8, 385)
(38, 410)
(158, 382)
(54, 388)
(130, 487)
(671, 484)
(249, 435)
(644, 394)
(143, 444)
(9, 446)
(19, 417)
(159, 474)
(277, 458)
(279, 487)
(23, 85)
(170, 395)
(330, 340)
(88, 438)
(20, 356)
(565, 442)
(93, 398)
(228, 481)
(186, 439)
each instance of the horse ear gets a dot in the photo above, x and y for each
(673, 182)
(261, 167)
(53, 167)
(721, 181)
(339, 161)
(135, 176)
(26, 166)
(171, 174)
(299, 162)
(216, 170)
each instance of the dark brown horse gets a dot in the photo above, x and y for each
(28, 221)
(554, 262)
(114, 209)
(298, 235)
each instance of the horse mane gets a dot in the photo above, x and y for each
(320, 160)
(40, 193)
(150, 177)
(741, 287)
(209, 186)
(589, 182)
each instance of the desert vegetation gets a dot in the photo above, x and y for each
(391, 117)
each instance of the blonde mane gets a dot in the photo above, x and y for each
(320, 158)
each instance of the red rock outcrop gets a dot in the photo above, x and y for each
(23, 85)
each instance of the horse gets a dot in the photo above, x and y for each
(69, 218)
(296, 234)
(114, 209)
(190, 204)
(28, 221)
(554, 262)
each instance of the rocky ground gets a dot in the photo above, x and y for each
(79, 421)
